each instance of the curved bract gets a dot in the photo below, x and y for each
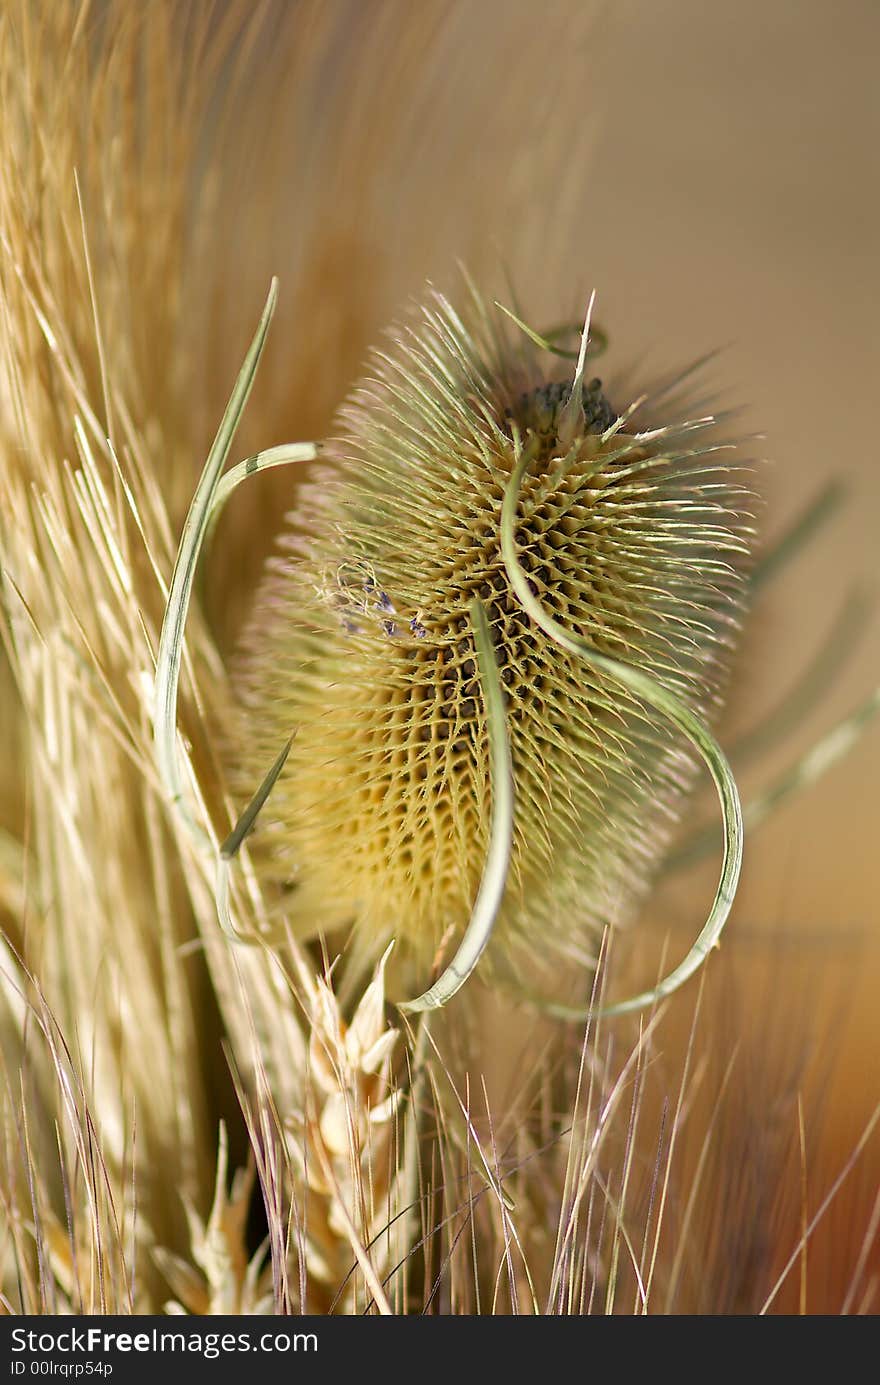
(441, 774)
(170, 653)
(212, 492)
(651, 691)
(494, 880)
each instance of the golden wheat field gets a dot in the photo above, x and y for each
(438, 595)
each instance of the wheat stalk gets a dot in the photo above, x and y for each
(164, 1088)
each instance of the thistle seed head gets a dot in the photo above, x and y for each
(634, 533)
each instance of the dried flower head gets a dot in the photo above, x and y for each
(632, 526)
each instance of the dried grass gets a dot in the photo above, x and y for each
(186, 1122)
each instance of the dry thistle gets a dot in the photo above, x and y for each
(464, 471)
(472, 505)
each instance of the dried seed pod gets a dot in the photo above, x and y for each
(634, 533)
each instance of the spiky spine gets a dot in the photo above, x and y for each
(637, 537)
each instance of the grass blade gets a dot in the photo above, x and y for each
(171, 640)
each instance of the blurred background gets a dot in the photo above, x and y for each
(712, 172)
(737, 178)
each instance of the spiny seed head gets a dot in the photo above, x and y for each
(361, 644)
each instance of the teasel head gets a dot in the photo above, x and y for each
(627, 531)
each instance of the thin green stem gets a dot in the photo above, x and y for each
(817, 513)
(252, 466)
(848, 625)
(806, 770)
(212, 493)
(597, 344)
